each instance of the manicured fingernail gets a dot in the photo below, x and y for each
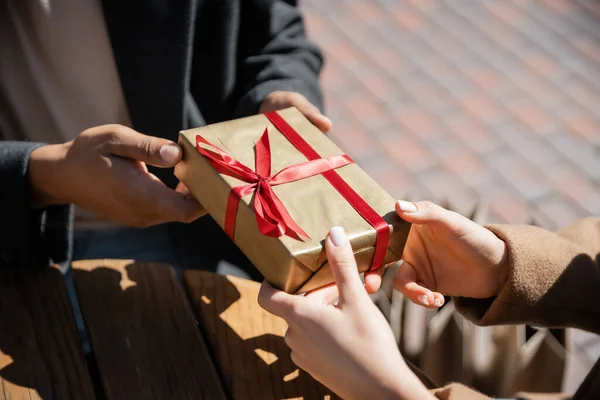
(438, 302)
(424, 300)
(169, 153)
(328, 120)
(338, 236)
(407, 206)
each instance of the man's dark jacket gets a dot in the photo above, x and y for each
(182, 63)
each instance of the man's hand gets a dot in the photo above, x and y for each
(349, 347)
(280, 100)
(104, 170)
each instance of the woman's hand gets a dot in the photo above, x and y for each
(349, 347)
(448, 254)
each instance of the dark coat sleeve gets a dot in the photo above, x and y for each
(28, 237)
(275, 54)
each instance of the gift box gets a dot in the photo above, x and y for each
(276, 185)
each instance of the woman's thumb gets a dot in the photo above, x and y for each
(423, 212)
(343, 265)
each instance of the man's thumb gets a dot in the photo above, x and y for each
(343, 265)
(148, 149)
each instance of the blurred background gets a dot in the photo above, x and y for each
(489, 102)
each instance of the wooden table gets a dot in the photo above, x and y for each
(147, 339)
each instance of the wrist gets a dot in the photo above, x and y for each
(403, 384)
(45, 175)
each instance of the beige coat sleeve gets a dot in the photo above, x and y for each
(554, 279)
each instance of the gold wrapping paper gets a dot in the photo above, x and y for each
(291, 265)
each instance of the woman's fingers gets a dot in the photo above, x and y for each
(406, 282)
(373, 280)
(284, 305)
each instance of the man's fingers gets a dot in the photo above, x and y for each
(159, 204)
(196, 209)
(190, 209)
(405, 281)
(322, 122)
(128, 143)
(343, 265)
(278, 303)
(313, 114)
(147, 201)
(281, 99)
(179, 207)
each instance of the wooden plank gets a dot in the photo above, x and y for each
(143, 334)
(247, 342)
(41, 356)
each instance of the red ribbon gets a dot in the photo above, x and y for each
(360, 205)
(271, 215)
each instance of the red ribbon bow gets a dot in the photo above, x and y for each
(271, 215)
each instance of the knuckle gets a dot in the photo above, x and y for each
(432, 209)
(344, 261)
(118, 130)
(298, 96)
(88, 133)
(93, 137)
(303, 102)
(109, 137)
(145, 146)
(112, 133)
(427, 205)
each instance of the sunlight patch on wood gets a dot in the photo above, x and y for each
(246, 318)
(291, 375)
(119, 266)
(268, 357)
(15, 391)
(5, 360)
